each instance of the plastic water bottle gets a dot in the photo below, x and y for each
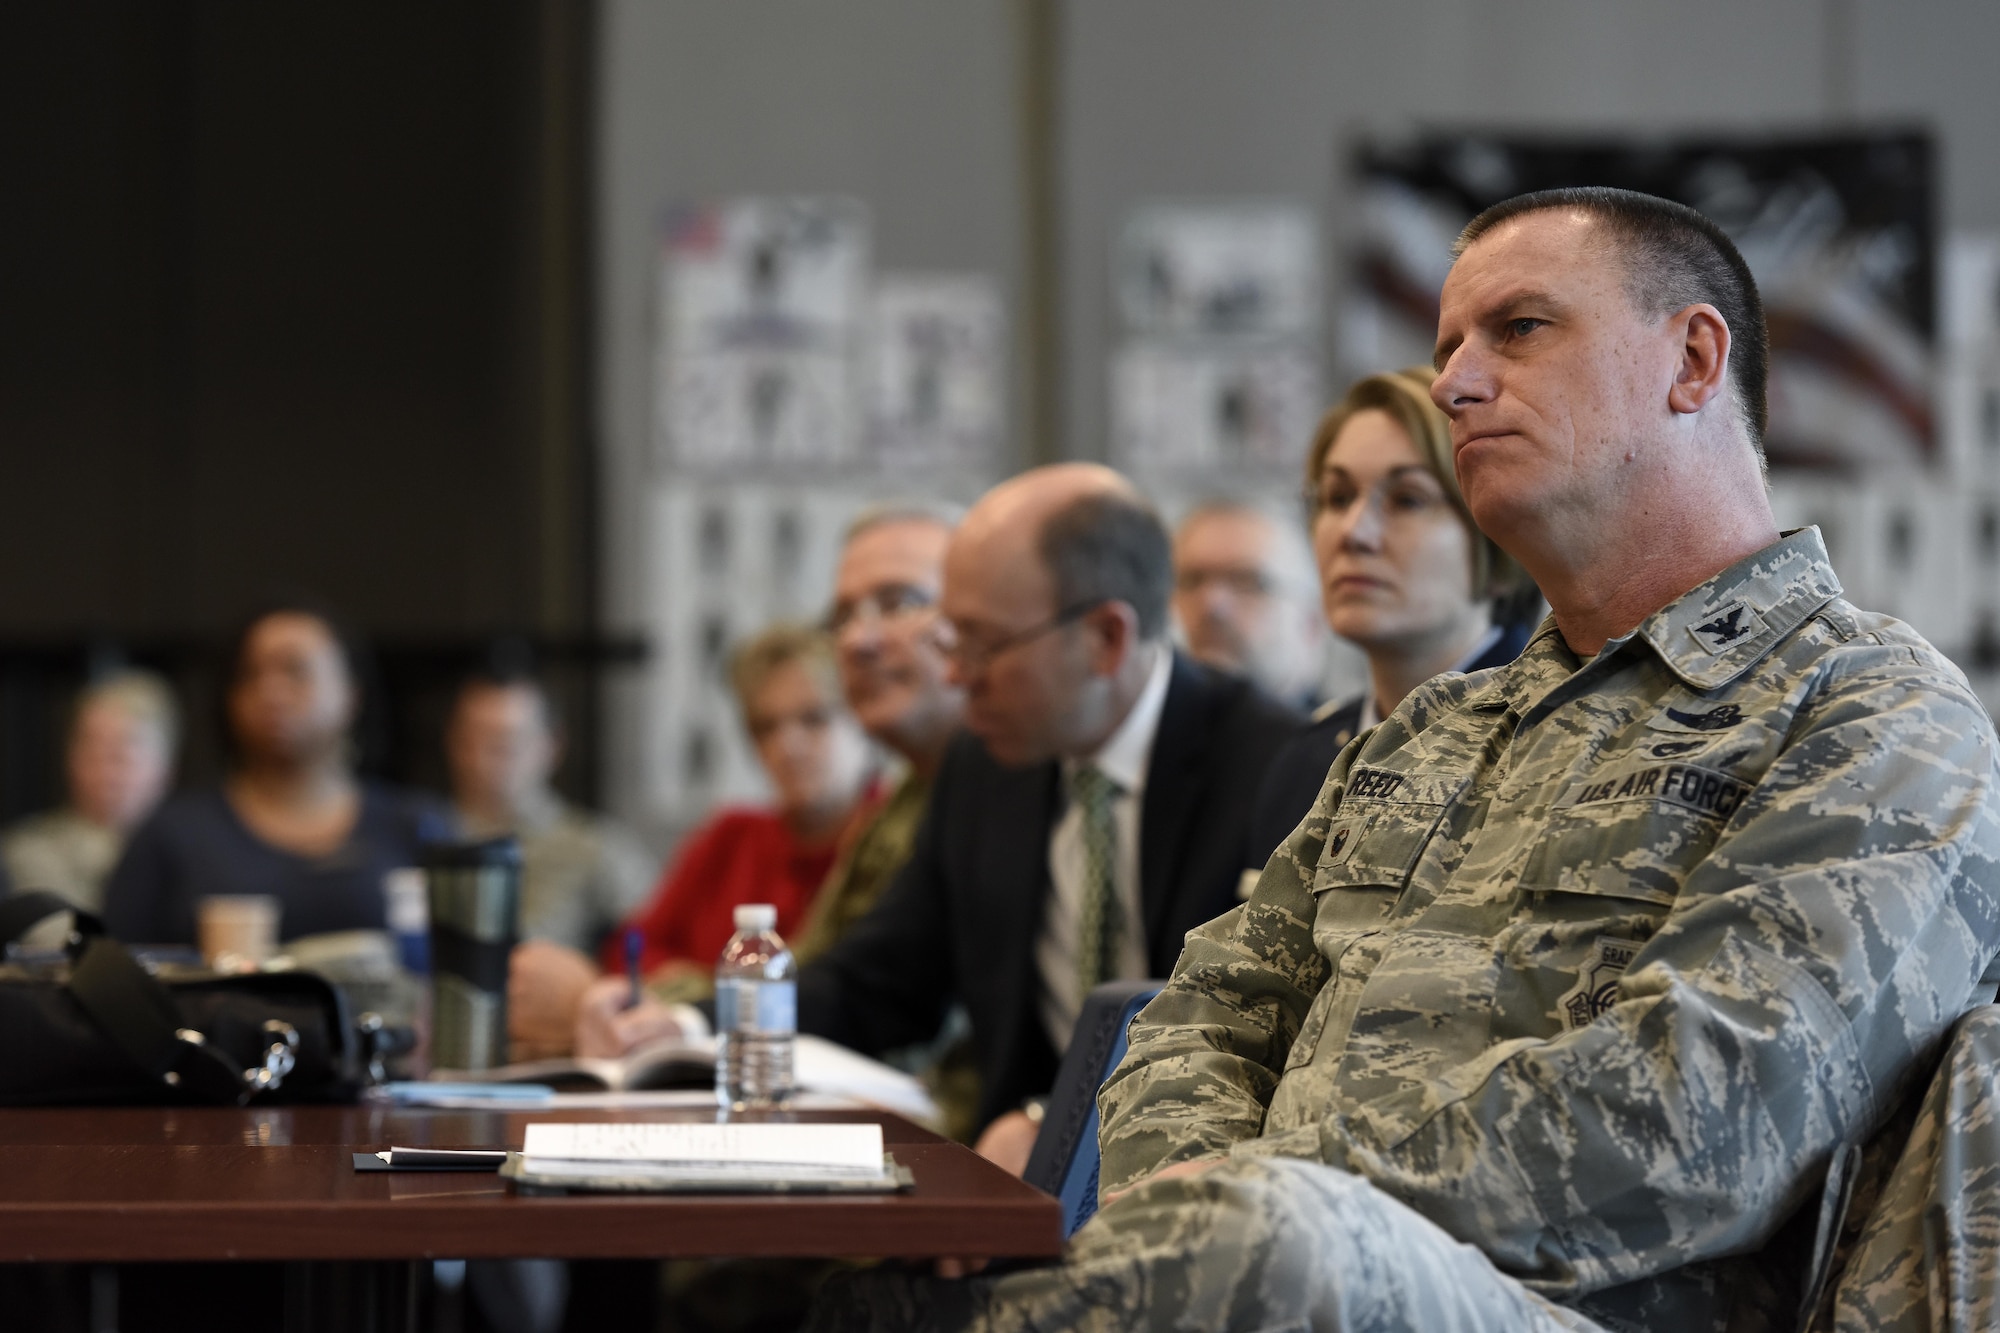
(756, 1012)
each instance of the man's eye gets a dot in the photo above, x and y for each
(900, 599)
(1521, 328)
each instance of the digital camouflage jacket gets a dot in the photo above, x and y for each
(1598, 965)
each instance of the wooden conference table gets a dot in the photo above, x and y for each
(130, 1184)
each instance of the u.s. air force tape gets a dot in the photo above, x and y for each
(1690, 785)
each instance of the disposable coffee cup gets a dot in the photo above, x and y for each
(474, 892)
(237, 929)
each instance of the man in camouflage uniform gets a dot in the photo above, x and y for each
(1923, 1254)
(1570, 1000)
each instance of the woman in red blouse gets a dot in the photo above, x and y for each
(821, 768)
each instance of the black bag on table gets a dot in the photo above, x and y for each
(102, 1030)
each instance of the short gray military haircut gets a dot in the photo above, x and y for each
(941, 512)
(1110, 547)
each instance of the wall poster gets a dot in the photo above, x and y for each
(937, 353)
(762, 305)
(1219, 368)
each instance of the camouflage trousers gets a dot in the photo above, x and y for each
(1928, 1257)
(1253, 1244)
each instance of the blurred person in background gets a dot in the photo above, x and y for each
(293, 819)
(1243, 598)
(581, 873)
(895, 678)
(895, 675)
(123, 734)
(822, 771)
(1404, 575)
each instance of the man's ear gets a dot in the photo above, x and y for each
(1699, 377)
(1113, 627)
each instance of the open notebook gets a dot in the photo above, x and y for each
(678, 1156)
(817, 1066)
(673, 1063)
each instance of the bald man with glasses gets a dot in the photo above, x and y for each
(1095, 810)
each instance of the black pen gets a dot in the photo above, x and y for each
(443, 1159)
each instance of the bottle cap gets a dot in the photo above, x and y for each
(756, 916)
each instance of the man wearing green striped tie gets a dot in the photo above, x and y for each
(1081, 829)
(1091, 792)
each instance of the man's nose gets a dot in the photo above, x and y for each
(860, 637)
(1461, 383)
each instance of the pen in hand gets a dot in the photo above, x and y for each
(634, 992)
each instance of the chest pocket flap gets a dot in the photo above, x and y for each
(1633, 833)
(1374, 844)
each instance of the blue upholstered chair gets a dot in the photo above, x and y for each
(1064, 1162)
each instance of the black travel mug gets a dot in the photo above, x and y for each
(474, 890)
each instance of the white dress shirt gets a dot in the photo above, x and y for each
(1123, 758)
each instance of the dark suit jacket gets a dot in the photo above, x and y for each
(960, 920)
(1292, 783)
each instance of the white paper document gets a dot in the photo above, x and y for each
(745, 1151)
